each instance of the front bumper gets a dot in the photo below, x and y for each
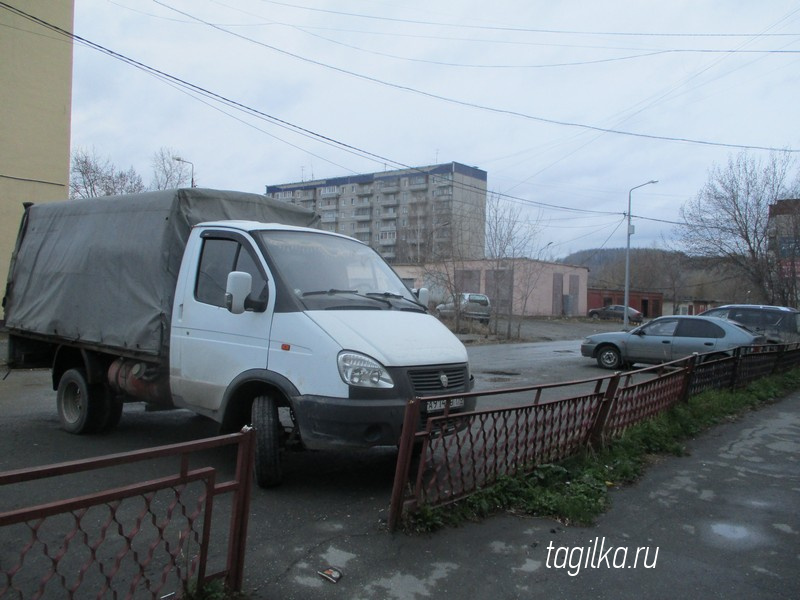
(327, 423)
(375, 417)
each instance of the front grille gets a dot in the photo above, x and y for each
(428, 382)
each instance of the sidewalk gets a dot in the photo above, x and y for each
(722, 522)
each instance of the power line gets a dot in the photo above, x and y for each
(196, 91)
(643, 54)
(472, 104)
(518, 29)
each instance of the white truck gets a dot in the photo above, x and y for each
(231, 305)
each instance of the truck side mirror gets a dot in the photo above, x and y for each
(237, 289)
(423, 295)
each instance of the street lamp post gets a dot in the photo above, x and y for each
(628, 258)
(188, 162)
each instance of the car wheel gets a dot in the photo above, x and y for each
(609, 357)
(78, 403)
(595, 316)
(264, 415)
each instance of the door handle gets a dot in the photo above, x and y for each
(708, 343)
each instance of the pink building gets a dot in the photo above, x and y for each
(529, 287)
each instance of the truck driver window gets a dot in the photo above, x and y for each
(216, 262)
(220, 257)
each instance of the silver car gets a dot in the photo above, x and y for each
(468, 305)
(666, 339)
(779, 324)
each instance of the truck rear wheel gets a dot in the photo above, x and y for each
(264, 416)
(78, 403)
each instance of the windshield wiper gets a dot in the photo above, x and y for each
(330, 291)
(396, 296)
(334, 291)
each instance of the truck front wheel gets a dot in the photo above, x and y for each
(77, 401)
(264, 415)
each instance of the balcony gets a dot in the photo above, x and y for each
(329, 192)
(389, 186)
(443, 191)
(420, 183)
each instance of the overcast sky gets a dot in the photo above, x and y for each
(566, 105)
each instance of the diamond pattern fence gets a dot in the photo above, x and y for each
(456, 454)
(147, 539)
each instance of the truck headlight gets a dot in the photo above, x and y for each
(362, 371)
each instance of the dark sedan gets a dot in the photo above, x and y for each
(666, 339)
(616, 311)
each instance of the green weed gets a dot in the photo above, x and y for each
(212, 590)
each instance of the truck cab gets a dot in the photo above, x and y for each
(306, 334)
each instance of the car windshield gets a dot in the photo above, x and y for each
(316, 266)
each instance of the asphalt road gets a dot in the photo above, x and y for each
(721, 522)
(723, 519)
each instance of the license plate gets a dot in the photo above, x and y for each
(438, 405)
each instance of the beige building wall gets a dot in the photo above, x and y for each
(534, 288)
(35, 110)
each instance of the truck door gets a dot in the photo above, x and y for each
(210, 346)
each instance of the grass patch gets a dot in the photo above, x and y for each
(213, 590)
(576, 490)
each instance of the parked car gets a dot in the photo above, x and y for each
(779, 324)
(668, 338)
(469, 306)
(616, 311)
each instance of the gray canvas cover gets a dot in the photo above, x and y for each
(103, 271)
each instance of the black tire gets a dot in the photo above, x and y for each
(111, 410)
(264, 415)
(609, 357)
(79, 404)
(595, 316)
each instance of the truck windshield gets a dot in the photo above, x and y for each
(316, 265)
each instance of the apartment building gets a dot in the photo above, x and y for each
(414, 215)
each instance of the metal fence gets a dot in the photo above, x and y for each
(457, 454)
(146, 539)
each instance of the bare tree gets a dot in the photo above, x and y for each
(92, 176)
(728, 218)
(169, 173)
(509, 237)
